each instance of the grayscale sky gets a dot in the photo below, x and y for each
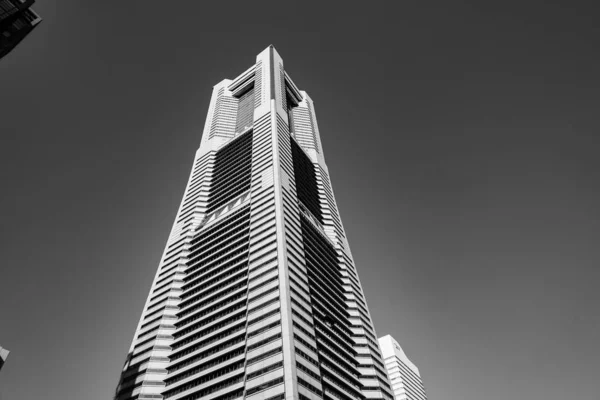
(462, 142)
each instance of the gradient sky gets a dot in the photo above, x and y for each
(462, 142)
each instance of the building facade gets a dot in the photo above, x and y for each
(256, 295)
(17, 19)
(404, 375)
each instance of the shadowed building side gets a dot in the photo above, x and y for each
(17, 19)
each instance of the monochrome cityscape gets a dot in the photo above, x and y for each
(257, 295)
(169, 234)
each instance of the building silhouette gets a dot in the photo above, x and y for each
(3, 356)
(17, 19)
(256, 295)
(404, 375)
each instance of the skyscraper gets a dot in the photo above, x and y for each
(17, 19)
(256, 295)
(404, 375)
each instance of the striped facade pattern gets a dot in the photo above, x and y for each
(404, 375)
(406, 384)
(225, 114)
(256, 295)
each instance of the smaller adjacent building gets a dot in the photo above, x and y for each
(404, 375)
(3, 356)
(17, 19)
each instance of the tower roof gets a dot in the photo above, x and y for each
(389, 347)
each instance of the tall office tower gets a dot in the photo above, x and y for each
(404, 375)
(256, 295)
(17, 19)
(3, 356)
